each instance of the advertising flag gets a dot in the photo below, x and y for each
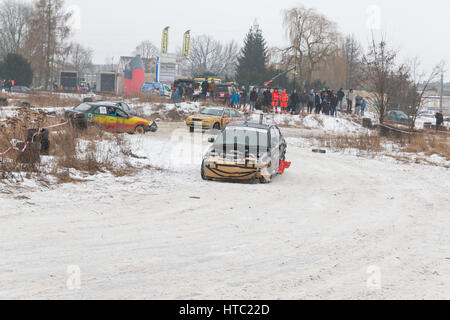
(187, 43)
(165, 41)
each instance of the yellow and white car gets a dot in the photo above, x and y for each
(109, 116)
(213, 118)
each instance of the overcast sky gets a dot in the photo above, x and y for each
(114, 28)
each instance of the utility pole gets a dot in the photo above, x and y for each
(442, 91)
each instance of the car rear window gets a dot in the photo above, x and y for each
(242, 136)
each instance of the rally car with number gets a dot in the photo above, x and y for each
(213, 118)
(244, 151)
(109, 116)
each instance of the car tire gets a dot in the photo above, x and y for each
(139, 130)
(263, 181)
(191, 129)
(216, 126)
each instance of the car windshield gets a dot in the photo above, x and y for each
(212, 112)
(252, 137)
(84, 107)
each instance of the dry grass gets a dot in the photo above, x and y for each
(64, 149)
(365, 142)
(147, 98)
(413, 149)
(45, 100)
(429, 145)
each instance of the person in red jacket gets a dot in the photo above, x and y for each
(284, 102)
(275, 100)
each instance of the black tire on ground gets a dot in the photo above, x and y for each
(139, 130)
(216, 126)
(191, 129)
(263, 180)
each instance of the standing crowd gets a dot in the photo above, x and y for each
(274, 100)
(325, 101)
(6, 85)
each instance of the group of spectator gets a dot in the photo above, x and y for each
(325, 101)
(6, 85)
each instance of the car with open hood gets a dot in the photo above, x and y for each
(109, 116)
(213, 118)
(246, 151)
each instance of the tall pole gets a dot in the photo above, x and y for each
(442, 91)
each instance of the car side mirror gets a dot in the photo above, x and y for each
(211, 140)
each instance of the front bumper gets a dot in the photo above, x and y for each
(232, 170)
(153, 127)
(204, 124)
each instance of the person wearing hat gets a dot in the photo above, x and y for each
(439, 119)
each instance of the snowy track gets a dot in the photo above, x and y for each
(312, 233)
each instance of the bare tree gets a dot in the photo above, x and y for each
(80, 58)
(352, 51)
(312, 36)
(211, 56)
(46, 43)
(380, 69)
(13, 26)
(147, 50)
(420, 83)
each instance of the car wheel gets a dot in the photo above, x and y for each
(263, 180)
(191, 129)
(216, 126)
(139, 130)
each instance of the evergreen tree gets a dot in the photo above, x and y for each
(17, 68)
(251, 68)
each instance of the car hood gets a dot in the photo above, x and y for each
(140, 119)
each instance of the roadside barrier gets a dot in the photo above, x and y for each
(32, 139)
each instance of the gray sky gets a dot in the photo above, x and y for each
(114, 28)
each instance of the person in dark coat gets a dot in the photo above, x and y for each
(304, 98)
(334, 100)
(253, 99)
(205, 88)
(311, 101)
(295, 99)
(325, 104)
(340, 95)
(318, 103)
(267, 100)
(439, 120)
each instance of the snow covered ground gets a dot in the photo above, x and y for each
(334, 226)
